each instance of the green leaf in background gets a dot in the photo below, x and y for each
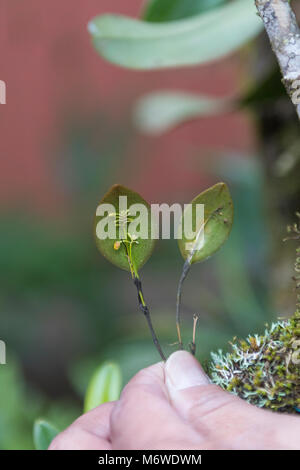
(105, 386)
(169, 10)
(159, 112)
(43, 434)
(141, 248)
(142, 45)
(218, 219)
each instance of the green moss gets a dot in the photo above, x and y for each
(263, 370)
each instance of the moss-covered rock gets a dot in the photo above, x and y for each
(264, 370)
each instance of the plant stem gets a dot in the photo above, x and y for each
(146, 312)
(185, 271)
(193, 344)
(142, 304)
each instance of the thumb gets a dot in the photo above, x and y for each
(190, 390)
(222, 419)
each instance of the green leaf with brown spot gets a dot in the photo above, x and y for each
(218, 219)
(113, 249)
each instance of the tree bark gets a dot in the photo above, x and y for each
(284, 34)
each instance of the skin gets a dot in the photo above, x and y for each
(173, 405)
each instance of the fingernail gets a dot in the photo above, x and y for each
(182, 371)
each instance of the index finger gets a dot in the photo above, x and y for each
(90, 431)
(144, 418)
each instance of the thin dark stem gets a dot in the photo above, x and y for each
(185, 271)
(146, 312)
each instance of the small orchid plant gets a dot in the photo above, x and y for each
(129, 251)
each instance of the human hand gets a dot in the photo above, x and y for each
(173, 406)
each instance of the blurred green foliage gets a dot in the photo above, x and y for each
(43, 434)
(104, 386)
(20, 406)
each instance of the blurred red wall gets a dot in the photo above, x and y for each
(51, 69)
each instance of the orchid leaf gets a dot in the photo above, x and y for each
(117, 230)
(216, 226)
(43, 434)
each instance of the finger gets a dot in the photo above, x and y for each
(223, 420)
(143, 418)
(89, 432)
(212, 411)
